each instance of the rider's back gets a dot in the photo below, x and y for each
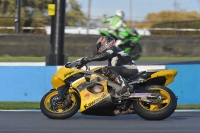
(115, 22)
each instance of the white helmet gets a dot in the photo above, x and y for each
(119, 13)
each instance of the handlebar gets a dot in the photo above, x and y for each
(77, 64)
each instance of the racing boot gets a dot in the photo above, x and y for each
(126, 88)
(118, 79)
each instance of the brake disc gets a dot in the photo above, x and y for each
(155, 98)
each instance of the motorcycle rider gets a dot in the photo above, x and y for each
(115, 23)
(120, 64)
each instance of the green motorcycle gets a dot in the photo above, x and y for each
(130, 44)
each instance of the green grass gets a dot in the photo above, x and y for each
(188, 106)
(36, 106)
(21, 59)
(19, 105)
(8, 58)
(27, 59)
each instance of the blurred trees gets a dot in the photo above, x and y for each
(74, 15)
(172, 19)
(34, 14)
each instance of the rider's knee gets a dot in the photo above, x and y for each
(109, 73)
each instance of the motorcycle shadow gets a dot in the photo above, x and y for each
(117, 117)
(125, 117)
(178, 117)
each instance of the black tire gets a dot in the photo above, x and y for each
(52, 113)
(136, 51)
(165, 108)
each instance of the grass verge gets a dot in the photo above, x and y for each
(36, 106)
(19, 105)
(27, 59)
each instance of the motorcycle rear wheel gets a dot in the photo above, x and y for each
(157, 111)
(136, 51)
(59, 110)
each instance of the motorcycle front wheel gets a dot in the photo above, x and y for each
(160, 110)
(59, 109)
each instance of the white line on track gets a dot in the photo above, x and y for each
(188, 110)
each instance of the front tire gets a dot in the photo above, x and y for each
(157, 111)
(62, 109)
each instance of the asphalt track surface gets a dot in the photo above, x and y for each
(36, 122)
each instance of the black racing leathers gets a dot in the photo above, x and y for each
(115, 57)
(118, 61)
(120, 66)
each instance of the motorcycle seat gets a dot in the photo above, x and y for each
(139, 73)
(139, 77)
(136, 75)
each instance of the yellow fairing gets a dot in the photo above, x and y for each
(169, 74)
(78, 82)
(89, 99)
(62, 74)
(81, 80)
(95, 69)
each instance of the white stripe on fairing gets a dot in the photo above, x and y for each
(77, 81)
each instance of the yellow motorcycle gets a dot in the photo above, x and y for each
(77, 88)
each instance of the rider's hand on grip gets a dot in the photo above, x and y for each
(82, 62)
(85, 60)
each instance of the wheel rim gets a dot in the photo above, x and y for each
(157, 106)
(62, 106)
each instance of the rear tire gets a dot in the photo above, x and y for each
(136, 51)
(59, 110)
(157, 111)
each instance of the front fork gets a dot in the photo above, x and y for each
(62, 90)
(63, 94)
